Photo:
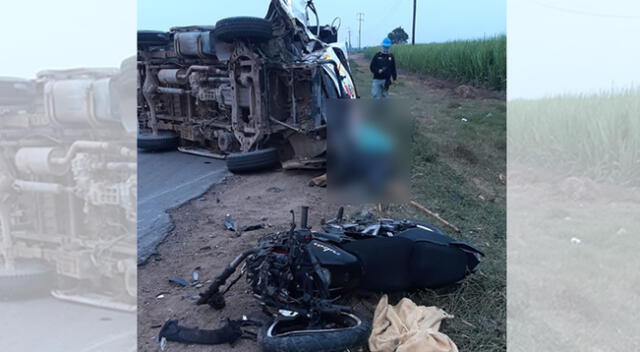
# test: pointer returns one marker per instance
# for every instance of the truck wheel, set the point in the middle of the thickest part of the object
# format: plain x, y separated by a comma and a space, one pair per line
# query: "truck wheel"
28, 279
252, 28
348, 332
165, 140
253, 161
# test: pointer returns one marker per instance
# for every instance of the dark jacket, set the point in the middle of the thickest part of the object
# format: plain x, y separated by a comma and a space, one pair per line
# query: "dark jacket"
387, 63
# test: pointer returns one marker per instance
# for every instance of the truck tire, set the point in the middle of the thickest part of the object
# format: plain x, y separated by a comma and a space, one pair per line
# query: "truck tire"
251, 28
329, 340
148, 39
165, 140
262, 159
29, 279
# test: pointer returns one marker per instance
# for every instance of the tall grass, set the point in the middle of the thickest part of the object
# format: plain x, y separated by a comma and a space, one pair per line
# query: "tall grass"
592, 135
481, 62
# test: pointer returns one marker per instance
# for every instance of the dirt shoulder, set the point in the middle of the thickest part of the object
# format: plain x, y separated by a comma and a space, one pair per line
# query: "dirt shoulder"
200, 239
458, 170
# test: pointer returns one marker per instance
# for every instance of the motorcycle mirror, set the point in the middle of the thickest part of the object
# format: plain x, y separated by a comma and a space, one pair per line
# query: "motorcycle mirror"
293, 219
304, 217
340, 215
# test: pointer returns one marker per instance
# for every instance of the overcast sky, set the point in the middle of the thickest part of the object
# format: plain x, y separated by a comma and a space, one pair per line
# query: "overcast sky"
436, 20
40, 35
555, 46
572, 46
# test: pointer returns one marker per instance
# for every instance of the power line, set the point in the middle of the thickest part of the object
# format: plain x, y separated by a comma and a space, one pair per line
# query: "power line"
360, 19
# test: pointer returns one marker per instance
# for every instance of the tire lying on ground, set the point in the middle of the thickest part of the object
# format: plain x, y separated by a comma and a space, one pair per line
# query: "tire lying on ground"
327, 340
28, 279
251, 28
262, 159
165, 140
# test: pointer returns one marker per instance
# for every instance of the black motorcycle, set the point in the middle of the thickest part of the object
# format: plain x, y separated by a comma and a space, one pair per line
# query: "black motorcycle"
299, 275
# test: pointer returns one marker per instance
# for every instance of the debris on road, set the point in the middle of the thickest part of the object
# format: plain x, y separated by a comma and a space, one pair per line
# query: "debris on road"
274, 189
229, 224
320, 181
195, 275
179, 281
253, 227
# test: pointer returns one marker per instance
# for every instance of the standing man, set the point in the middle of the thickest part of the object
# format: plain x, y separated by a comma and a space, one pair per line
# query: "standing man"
383, 67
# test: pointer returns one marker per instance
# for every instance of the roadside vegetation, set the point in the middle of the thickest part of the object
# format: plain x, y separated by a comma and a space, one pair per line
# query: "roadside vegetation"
457, 170
480, 62
574, 196
596, 136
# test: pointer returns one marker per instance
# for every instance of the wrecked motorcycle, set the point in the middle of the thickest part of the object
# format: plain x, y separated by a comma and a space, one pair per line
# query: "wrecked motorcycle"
299, 275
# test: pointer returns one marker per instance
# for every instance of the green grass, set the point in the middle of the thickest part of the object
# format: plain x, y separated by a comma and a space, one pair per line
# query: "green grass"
597, 136
454, 163
481, 62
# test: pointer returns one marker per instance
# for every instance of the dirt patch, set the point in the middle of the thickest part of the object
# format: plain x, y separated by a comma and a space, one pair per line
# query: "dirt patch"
466, 92
201, 240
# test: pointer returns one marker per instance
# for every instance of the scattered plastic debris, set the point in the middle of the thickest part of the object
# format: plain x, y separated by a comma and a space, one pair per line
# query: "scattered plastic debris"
575, 240
464, 119
161, 295
163, 343
274, 189
195, 275
229, 224
179, 281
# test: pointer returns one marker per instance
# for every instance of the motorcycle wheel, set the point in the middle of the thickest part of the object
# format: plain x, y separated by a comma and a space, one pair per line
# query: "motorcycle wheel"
351, 331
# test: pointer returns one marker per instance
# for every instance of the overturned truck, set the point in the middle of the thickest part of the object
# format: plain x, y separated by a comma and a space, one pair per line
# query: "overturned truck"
251, 90
68, 186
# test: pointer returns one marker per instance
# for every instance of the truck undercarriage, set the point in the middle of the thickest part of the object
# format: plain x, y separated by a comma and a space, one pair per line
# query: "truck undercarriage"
244, 85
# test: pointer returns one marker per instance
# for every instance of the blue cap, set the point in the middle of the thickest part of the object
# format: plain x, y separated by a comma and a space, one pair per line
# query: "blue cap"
386, 42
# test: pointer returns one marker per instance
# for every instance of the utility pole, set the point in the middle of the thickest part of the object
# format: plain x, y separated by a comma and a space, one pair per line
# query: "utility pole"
349, 42
360, 19
413, 31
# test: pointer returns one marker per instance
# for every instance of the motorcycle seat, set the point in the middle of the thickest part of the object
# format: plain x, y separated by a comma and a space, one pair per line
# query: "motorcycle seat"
413, 259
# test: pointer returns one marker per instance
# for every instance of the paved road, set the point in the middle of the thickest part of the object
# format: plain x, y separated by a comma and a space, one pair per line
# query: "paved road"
165, 181
51, 325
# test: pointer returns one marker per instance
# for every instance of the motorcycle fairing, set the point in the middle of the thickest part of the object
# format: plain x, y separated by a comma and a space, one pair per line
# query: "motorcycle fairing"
343, 267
